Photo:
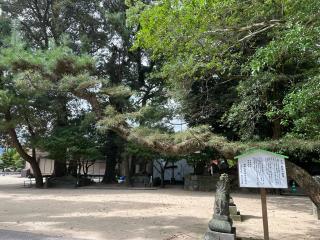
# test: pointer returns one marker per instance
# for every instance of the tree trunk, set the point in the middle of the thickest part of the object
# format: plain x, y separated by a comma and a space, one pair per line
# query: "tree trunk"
276, 129
162, 177
30, 159
72, 168
37, 173
110, 172
60, 168
127, 173
111, 159
305, 180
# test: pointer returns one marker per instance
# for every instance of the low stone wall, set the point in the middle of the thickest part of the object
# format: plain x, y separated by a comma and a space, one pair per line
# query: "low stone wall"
201, 183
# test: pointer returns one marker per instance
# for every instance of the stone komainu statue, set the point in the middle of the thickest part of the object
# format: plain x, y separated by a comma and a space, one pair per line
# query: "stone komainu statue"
222, 198
221, 221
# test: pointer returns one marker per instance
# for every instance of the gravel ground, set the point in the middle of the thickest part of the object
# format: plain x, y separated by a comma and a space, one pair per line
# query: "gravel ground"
167, 214
16, 235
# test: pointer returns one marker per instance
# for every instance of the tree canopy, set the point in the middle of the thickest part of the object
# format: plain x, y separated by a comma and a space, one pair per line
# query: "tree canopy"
241, 74
233, 57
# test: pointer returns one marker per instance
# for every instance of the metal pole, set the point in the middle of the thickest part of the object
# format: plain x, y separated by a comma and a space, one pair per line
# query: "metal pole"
264, 213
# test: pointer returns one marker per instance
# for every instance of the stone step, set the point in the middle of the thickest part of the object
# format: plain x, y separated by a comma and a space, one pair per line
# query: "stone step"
236, 218
234, 213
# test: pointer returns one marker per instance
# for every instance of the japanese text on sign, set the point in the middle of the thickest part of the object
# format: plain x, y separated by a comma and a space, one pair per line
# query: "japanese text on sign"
262, 171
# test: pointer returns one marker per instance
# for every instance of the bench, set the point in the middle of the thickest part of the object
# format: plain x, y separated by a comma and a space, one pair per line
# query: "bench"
31, 180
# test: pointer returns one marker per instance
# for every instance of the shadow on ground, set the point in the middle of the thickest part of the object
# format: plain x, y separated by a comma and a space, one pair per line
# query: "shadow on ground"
292, 203
247, 217
249, 238
121, 214
16, 235
98, 217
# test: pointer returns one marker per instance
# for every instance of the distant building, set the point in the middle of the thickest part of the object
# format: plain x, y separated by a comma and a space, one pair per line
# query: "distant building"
46, 165
177, 170
96, 168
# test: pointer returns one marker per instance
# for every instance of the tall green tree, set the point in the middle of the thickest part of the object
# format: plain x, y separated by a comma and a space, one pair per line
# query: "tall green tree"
48, 21
262, 49
267, 48
29, 93
11, 159
34, 81
83, 143
97, 28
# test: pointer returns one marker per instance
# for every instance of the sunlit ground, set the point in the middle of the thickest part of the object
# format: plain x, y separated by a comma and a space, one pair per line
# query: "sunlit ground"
140, 214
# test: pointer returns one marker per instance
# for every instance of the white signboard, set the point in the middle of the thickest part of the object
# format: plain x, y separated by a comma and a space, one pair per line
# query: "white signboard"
262, 169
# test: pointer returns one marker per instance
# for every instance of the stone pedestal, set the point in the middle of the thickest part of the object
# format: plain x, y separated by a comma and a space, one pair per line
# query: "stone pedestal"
234, 213
212, 235
316, 211
220, 224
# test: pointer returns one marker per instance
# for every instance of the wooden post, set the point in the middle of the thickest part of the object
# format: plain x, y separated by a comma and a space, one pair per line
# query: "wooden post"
264, 213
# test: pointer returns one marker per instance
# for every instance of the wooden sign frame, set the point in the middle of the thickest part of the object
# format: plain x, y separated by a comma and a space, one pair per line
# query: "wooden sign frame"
263, 192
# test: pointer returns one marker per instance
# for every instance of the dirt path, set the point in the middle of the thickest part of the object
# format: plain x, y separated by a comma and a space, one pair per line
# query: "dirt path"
169, 214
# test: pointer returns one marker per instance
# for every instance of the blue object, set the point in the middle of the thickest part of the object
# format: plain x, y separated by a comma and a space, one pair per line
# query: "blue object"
121, 179
293, 187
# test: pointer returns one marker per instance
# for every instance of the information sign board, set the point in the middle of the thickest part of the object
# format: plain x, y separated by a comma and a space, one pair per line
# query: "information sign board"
262, 169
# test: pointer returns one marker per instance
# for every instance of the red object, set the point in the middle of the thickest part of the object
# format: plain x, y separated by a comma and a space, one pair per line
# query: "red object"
216, 162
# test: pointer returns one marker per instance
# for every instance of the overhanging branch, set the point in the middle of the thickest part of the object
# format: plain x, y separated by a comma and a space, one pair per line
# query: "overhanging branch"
229, 150
257, 32
246, 28
166, 148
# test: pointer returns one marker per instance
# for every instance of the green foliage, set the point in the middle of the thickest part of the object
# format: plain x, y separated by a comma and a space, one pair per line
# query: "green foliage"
178, 38
44, 22
112, 118
140, 152
263, 49
5, 99
11, 159
80, 139
5, 29
302, 107
293, 46
239, 67
151, 116
35, 90
59, 62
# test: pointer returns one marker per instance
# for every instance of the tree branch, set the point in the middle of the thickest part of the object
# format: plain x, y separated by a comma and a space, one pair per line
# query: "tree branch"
257, 32
183, 148
93, 101
246, 28
226, 148
32, 35
15, 141
305, 181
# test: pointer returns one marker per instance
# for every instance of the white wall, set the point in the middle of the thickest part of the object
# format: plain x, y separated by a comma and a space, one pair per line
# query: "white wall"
46, 166
182, 169
98, 168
